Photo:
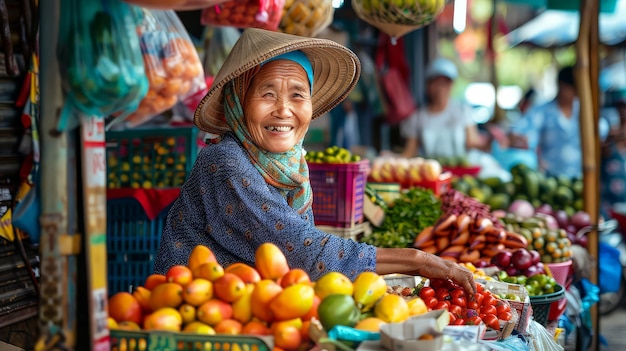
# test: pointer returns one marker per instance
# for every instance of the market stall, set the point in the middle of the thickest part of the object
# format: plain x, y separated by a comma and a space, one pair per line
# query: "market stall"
103, 186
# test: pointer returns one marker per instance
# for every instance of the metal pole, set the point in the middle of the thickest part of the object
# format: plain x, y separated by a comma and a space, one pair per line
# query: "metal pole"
57, 311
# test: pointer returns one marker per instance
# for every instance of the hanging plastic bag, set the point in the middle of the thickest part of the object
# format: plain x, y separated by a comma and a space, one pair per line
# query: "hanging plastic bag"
99, 58
171, 61
264, 14
306, 17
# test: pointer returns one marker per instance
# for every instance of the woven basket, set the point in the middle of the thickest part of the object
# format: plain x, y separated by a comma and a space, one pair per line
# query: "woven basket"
396, 20
306, 17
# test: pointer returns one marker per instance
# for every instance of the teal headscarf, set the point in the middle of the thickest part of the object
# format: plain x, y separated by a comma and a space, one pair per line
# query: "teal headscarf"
286, 171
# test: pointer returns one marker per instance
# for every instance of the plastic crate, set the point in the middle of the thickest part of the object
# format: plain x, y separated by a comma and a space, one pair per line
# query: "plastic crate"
150, 157
170, 341
355, 233
132, 243
439, 186
338, 192
543, 303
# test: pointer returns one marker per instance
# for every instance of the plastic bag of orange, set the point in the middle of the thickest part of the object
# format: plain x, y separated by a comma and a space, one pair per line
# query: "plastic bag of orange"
306, 17
264, 14
171, 62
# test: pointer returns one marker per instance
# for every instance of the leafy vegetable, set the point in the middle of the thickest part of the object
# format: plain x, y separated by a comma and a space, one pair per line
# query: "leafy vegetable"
413, 211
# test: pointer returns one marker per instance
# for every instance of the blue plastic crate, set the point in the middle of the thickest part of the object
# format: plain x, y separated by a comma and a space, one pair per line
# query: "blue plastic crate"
132, 243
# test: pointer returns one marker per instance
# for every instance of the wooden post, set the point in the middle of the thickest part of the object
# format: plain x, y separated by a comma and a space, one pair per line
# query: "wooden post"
586, 72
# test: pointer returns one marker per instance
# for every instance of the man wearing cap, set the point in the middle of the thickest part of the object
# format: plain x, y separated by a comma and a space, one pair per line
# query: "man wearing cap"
441, 128
251, 185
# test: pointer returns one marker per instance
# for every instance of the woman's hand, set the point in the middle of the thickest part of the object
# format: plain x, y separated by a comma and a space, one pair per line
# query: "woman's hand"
416, 262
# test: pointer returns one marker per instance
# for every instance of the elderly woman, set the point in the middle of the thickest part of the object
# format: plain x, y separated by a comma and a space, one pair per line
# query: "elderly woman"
250, 185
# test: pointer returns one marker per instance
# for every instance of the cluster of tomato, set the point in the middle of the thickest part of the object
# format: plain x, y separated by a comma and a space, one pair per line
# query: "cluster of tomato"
485, 307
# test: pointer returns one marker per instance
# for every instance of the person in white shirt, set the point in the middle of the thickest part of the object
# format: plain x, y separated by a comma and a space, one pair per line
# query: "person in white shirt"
443, 127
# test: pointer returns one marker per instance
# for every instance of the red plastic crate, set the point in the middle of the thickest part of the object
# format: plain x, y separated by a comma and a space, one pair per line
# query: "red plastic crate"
439, 186
338, 192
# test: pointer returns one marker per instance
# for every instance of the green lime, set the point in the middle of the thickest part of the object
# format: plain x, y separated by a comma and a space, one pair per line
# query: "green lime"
338, 309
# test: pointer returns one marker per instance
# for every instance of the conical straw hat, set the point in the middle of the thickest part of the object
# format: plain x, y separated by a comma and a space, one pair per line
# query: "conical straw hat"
336, 71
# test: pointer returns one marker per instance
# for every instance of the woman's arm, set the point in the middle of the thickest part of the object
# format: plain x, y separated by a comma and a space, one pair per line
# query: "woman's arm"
416, 262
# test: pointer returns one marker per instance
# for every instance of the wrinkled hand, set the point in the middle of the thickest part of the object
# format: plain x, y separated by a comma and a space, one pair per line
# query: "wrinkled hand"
436, 267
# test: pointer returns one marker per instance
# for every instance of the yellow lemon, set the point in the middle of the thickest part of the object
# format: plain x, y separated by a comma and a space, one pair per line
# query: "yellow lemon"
392, 309
369, 287
370, 324
417, 306
112, 323
333, 283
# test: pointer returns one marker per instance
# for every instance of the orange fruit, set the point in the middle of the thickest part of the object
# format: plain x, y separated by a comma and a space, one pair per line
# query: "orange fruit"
304, 330
295, 322
166, 295
255, 327
312, 313
264, 291
153, 280
270, 261
295, 276
128, 325
198, 291
166, 318
123, 306
209, 271
199, 328
228, 326
229, 287
287, 337
200, 254
179, 274
187, 312
392, 309
142, 295
242, 308
214, 311
248, 274
370, 324
294, 301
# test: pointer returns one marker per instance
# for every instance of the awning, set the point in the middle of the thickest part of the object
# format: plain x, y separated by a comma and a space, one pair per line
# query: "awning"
556, 28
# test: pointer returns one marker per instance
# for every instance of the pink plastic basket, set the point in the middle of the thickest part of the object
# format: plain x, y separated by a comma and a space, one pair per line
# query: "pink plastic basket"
561, 272
338, 192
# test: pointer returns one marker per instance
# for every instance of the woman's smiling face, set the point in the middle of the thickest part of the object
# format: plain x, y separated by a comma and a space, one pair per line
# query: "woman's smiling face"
277, 106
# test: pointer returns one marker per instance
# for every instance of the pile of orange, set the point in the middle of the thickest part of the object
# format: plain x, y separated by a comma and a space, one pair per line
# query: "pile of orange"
204, 297
268, 299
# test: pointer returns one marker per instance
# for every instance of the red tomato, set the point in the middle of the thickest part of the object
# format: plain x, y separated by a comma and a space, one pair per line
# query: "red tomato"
472, 304
479, 297
459, 301
426, 292
474, 320
431, 302
459, 321
456, 309
491, 320
441, 305
443, 295
457, 293
505, 315
479, 288
488, 309
489, 299
452, 318
502, 306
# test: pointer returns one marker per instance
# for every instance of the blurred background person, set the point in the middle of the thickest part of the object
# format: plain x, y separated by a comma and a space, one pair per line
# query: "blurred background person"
613, 164
442, 127
552, 130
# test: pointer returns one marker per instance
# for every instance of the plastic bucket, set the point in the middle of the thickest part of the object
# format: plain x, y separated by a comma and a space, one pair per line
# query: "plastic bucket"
542, 304
561, 272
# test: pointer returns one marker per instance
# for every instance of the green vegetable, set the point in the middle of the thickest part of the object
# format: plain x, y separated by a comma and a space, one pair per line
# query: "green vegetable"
413, 211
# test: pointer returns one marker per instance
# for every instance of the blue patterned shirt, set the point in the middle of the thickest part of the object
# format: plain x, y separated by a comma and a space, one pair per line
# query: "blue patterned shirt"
226, 205
557, 138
